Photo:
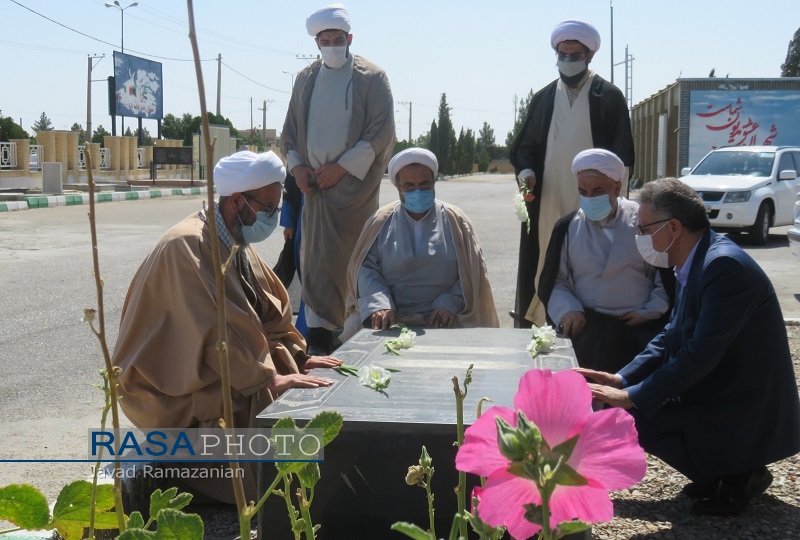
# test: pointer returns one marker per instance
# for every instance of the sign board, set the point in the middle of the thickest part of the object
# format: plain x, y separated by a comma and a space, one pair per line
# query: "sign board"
138, 87
180, 155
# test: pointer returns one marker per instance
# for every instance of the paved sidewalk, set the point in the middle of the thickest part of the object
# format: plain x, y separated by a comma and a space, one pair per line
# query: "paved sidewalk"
49, 201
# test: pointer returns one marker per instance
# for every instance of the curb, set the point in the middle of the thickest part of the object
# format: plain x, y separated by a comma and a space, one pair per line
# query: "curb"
50, 201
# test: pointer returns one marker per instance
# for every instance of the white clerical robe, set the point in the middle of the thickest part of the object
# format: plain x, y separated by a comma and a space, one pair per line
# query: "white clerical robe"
605, 272
412, 266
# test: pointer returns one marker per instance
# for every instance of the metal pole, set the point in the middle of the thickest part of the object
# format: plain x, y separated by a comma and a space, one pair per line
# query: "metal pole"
410, 108
89, 100
251, 120
264, 125
626, 73
122, 47
219, 80
611, 4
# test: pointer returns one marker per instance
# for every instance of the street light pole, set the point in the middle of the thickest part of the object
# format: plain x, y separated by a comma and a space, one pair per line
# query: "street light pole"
121, 9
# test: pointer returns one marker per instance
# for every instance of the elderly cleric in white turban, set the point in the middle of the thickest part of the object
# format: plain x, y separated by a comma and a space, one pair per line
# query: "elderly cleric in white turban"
580, 31
411, 156
246, 171
333, 17
600, 160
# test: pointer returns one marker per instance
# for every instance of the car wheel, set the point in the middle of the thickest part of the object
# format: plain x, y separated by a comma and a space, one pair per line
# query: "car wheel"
759, 232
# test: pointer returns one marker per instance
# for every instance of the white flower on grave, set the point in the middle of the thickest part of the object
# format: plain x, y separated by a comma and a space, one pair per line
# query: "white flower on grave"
374, 377
543, 341
406, 339
520, 210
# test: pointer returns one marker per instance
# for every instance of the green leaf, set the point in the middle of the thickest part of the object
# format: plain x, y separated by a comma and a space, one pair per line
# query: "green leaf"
136, 521
138, 534
309, 475
567, 447
534, 513
24, 506
567, 476
391, 370
330, 422
284, 423
161, 500
570, 527
73, 509
411, 530
175, 525
399, 325
468, 378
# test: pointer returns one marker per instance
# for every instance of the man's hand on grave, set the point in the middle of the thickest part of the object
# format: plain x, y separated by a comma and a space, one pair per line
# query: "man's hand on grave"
320, 362
383, 319
281, 383
441, 318
611, 396
601, 377
573, 323
328, 175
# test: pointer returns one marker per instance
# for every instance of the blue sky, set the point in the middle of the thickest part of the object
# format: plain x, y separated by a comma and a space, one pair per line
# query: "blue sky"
481, 54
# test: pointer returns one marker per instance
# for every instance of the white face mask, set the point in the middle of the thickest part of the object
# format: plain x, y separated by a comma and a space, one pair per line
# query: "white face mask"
334, 57
570, 69
644, 243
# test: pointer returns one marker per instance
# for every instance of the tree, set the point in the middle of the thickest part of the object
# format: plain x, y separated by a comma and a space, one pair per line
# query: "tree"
42, 124
99, 134
173, 127
486, 137
399, 146
10, 130
465, 152
81, 133
484, 159
791, 67
433, 142
213, 119
521, 114
147, 139
446, 149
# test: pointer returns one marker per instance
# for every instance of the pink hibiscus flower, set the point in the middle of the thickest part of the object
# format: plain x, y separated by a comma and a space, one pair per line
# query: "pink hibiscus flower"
607, 454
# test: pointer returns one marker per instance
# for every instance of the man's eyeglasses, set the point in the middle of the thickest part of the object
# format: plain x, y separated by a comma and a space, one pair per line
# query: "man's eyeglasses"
572, 57
269, 209
643, 227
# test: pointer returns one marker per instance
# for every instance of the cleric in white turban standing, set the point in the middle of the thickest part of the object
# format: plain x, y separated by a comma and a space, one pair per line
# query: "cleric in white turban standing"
418, 261
337, 138
168, 330
579, 110
595, 284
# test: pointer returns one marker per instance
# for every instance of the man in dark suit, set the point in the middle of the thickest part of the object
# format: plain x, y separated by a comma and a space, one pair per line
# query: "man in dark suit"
714, 395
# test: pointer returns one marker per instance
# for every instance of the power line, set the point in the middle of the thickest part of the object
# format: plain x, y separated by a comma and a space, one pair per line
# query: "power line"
106, 42
252, 81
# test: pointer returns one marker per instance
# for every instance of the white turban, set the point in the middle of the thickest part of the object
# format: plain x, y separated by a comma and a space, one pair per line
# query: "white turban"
246, 171
333, 17
580, 31
411, 156
599, 160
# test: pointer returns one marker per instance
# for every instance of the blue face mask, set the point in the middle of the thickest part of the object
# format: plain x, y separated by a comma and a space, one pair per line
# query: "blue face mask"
419, 201
261, 229
596, 208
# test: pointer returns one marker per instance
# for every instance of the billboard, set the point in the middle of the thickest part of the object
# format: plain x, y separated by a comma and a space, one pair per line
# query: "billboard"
741, 118
138, 88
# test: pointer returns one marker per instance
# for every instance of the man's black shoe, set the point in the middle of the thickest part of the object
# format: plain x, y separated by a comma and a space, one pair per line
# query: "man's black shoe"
320, 342
704, 490
734, 494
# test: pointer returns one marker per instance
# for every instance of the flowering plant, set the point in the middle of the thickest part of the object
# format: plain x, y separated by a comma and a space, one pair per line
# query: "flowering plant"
520, 210
404, 341
551, 462
374, 377
543, 341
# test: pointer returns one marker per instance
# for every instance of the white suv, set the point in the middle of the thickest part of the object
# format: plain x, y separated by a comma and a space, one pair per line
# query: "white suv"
748, 188
794, 234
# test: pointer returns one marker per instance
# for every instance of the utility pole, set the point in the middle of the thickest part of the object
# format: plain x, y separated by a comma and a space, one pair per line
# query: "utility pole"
89, 58
515, 109
219, 80
408, 105
628, 76
251, 120
611, 4
264, 121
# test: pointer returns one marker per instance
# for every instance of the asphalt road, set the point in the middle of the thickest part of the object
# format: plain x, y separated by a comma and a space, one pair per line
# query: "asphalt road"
49, 359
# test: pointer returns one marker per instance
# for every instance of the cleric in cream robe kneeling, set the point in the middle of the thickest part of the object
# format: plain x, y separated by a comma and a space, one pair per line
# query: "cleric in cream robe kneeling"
418, 261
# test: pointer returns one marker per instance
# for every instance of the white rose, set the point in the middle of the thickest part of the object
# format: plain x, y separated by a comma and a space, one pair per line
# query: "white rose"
374, 376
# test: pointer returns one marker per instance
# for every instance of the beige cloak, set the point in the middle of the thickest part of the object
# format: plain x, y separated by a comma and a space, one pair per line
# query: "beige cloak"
168, 334
479, 309
333, 218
